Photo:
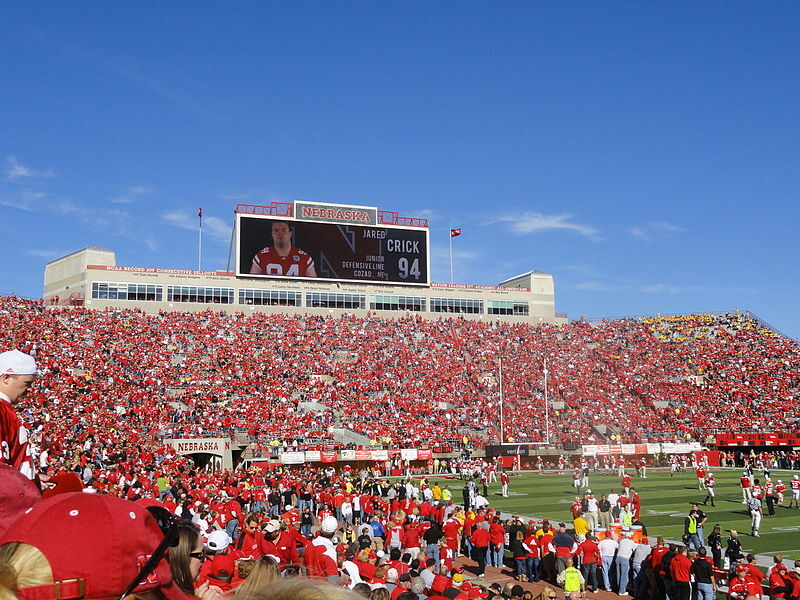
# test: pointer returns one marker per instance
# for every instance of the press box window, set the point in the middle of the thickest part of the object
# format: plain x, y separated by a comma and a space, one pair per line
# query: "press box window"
331, 300
412, 303
200, 294
269, 297
456, 305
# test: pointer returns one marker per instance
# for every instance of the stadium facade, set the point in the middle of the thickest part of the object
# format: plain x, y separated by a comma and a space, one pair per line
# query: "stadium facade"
367, 261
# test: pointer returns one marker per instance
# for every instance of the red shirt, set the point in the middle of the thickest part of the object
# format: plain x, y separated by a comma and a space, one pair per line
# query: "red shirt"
294, 264
588, 552
480, 538
680, 567
14, 449
497, 533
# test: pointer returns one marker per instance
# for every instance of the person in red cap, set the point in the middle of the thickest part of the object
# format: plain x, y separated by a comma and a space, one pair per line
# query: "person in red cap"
17, 494
93, 547
742, 586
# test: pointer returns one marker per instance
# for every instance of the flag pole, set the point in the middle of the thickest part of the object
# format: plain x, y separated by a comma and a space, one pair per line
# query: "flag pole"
200, 242
451, 254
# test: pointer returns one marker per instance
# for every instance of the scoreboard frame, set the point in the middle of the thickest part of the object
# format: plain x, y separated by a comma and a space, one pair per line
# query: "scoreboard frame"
401, 248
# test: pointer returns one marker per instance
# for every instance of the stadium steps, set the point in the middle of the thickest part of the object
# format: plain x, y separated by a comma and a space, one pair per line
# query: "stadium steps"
308, 407
344, 436
605, 431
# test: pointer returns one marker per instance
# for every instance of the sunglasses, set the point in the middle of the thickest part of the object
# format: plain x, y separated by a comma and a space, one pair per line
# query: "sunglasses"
167, 522
201, 556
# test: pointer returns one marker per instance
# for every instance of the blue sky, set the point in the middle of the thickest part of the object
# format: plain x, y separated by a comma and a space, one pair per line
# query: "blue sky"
644, 154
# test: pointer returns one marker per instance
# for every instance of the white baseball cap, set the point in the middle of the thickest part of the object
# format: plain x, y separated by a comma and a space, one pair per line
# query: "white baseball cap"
218, 540
329, 524
15, 362
272, 526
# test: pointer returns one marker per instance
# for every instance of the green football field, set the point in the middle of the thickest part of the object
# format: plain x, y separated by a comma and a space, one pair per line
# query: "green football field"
665, 502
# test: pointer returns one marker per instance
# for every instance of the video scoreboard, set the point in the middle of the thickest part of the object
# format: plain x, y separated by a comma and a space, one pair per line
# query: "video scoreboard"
331, 242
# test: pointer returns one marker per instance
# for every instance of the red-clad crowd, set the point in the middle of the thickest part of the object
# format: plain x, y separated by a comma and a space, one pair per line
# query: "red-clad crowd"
406, 382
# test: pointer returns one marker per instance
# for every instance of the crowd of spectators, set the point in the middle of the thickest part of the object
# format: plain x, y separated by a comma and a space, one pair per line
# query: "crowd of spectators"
406, 382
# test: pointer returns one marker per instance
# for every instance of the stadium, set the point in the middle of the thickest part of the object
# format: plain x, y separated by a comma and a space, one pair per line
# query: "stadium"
265, 371
380, 362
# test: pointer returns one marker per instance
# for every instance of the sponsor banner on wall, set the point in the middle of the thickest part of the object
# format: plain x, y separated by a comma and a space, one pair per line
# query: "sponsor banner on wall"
589, 450
312, 456
424, 454
363, 455
629, 448
329, 456
380, 455
653, 448
293, 458
408, 454
615, 449
348, 455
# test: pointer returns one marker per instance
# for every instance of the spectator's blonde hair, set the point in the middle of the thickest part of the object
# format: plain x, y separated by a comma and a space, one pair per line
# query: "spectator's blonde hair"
263, 572
302, 589
22, 565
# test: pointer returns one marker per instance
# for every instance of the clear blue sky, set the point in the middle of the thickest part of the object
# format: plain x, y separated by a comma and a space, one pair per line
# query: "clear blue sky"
645, 154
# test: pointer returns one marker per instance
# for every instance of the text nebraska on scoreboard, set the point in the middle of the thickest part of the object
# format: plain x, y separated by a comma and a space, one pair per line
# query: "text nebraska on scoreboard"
340, 252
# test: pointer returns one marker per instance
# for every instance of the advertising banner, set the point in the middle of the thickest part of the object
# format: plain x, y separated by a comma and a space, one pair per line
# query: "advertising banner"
329, 456
380, 455
364, 455
424, 454
312, 456
348, 455
408, 454
293, 458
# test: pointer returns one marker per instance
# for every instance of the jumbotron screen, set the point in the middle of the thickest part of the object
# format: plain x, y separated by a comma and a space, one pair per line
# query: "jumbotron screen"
287, 248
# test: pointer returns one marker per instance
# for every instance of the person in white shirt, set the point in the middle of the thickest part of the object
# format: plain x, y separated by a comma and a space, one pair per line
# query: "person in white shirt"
623, 561
613, 499
608, 548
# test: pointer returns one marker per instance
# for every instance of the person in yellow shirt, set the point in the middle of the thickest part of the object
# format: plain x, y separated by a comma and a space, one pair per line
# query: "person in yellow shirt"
581, 525
437, 491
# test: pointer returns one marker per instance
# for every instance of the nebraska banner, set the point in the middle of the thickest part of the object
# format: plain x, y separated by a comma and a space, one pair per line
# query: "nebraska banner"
329, 456
380, 455
363, 455
312, 456
424, 454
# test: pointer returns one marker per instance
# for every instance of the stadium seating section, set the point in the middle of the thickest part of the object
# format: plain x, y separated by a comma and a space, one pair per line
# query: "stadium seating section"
127, 378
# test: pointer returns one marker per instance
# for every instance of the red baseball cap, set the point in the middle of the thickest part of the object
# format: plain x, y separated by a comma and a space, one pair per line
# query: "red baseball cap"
96, 546
63, 483
17, 494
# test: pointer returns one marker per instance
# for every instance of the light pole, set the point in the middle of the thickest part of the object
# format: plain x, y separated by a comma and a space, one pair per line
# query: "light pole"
502, 436
546, 407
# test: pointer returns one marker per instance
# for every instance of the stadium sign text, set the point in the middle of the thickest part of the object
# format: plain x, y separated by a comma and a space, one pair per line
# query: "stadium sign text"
207, 445
332, 213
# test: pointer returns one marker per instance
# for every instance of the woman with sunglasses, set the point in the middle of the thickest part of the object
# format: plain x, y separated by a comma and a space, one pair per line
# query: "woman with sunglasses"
186, 558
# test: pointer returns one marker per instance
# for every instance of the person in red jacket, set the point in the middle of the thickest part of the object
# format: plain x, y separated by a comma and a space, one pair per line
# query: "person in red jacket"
741, 586
779, 583
279, 544
248, 544
680, 567
497, 540
480, 545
